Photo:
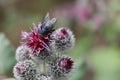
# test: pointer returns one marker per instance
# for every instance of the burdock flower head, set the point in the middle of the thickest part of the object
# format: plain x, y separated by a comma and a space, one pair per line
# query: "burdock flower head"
38, 39
61, 66
25, 70
62, 39
35, 41
22, 53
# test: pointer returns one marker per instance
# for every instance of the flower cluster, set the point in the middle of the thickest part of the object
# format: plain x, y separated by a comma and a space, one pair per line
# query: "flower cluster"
41, 47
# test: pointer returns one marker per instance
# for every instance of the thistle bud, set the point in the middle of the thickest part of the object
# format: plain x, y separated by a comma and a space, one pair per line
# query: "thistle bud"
61, 66
25, 70
22, 53
62, 39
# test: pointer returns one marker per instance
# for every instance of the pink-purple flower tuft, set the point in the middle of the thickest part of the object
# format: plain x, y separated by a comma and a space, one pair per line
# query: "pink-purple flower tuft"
35, 41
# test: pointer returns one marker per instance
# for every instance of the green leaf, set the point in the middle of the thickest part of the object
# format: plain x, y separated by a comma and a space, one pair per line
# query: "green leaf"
7, 52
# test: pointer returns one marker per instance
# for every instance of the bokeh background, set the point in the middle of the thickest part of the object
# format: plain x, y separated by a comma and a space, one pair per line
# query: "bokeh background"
95, 23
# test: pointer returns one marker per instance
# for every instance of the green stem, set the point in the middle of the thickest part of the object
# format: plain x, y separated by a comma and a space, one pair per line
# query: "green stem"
44, 67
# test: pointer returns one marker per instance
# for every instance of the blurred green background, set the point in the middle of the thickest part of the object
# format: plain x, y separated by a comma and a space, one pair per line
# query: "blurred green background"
95, 23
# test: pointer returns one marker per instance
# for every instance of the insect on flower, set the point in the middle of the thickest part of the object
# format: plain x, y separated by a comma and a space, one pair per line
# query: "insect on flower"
47, 25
